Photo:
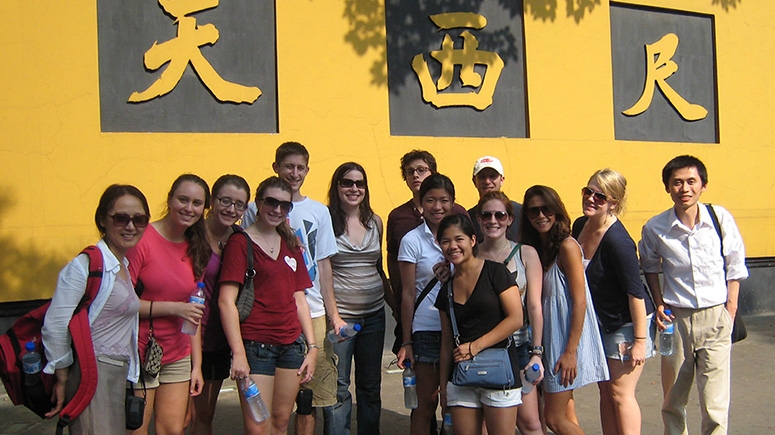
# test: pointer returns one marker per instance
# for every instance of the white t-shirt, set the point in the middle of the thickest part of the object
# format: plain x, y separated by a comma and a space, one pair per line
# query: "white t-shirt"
419, 247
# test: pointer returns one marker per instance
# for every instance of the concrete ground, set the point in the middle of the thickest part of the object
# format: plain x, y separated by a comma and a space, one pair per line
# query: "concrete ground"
751, 412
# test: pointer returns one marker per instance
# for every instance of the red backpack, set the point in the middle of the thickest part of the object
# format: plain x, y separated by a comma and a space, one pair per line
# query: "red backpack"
27, 328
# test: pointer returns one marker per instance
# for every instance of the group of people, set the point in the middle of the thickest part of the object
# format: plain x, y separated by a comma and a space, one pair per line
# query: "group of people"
565, 297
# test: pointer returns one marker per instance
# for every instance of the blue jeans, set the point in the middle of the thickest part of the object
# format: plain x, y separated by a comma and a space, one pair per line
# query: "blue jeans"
366, 348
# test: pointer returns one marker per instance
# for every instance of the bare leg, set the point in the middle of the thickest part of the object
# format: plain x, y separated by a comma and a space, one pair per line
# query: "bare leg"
204, 408
556, 409
427, 384
500, 421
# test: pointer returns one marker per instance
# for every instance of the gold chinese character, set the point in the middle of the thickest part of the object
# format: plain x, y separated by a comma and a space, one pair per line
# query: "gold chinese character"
466, 57
660, 66
184, 48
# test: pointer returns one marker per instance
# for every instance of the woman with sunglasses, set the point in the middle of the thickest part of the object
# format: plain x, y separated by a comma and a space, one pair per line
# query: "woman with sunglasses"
487, 311
228, 202
495, 216
121, 218
269, 346
573, 352
359, 289
167, 264
418, 254
622, 304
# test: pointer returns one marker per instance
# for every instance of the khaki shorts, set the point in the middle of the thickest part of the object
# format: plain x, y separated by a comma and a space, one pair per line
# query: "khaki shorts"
172, 373
323, 385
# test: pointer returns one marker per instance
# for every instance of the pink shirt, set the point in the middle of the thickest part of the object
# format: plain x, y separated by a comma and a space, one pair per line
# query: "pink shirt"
168, 275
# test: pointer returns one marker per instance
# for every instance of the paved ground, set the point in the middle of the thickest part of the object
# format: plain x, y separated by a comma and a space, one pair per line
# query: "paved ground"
753, 398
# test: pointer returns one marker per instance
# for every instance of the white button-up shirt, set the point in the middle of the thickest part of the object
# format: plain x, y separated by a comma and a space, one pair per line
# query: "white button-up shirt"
71, 287
690, 258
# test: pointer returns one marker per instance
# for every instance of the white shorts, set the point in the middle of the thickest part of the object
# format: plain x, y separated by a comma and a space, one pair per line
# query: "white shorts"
475, 397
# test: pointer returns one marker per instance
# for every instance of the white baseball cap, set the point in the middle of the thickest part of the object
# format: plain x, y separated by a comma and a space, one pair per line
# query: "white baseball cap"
488, 162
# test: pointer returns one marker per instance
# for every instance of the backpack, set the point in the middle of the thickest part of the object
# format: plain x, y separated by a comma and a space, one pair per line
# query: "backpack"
28, 328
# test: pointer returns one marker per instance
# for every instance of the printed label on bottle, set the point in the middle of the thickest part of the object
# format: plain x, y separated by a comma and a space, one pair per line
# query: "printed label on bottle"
410, 382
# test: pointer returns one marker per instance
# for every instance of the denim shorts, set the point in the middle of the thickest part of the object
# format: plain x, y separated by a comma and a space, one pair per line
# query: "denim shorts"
617, 344
426, 346
265, 358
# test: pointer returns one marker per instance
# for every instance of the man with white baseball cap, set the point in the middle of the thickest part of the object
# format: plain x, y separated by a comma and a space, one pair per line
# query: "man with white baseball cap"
488, 177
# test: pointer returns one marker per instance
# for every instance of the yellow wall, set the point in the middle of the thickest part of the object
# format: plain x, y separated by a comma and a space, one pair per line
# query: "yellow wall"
333, 98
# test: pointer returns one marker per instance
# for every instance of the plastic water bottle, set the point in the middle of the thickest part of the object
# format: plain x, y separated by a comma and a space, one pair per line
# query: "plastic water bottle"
448, 424
32, 363
666, 336
345, 332
258, 410
528, 376
410, 386
197, 297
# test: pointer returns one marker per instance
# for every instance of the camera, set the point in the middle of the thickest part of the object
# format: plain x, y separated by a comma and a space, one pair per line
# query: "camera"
135, 410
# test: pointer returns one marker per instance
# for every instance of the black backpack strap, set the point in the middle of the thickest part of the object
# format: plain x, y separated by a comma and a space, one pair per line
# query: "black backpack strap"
425, 291
717, 225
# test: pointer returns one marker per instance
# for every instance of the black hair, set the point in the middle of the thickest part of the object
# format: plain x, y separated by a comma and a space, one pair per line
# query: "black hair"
109, 198
680, 162
437, 181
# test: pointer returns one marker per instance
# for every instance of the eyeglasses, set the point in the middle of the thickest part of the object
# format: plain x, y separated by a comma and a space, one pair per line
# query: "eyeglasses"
499, 215
534, 212
273, 203
120, 220
420, 171
348, 183
227, 202
599, 196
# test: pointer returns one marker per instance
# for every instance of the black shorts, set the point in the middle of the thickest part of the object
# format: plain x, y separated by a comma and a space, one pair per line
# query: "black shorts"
216, 364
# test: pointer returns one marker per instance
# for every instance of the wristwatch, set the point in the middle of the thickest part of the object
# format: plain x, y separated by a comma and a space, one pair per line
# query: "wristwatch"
537, 350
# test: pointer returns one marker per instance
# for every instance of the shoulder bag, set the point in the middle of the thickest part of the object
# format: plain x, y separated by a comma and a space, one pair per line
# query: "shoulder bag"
153, 351
491, 368
246, 295
739, 332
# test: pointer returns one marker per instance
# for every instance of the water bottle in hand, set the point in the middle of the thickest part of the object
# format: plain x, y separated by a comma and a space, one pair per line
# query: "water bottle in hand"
666, 336
345, 332
197, 297
258, 410
410, 386
528, 376
447, 424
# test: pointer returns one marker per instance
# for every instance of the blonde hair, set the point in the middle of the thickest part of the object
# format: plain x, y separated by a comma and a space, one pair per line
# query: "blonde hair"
614, 185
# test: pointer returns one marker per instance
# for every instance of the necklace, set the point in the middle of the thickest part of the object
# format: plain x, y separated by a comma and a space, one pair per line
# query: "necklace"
222, 241
271, 247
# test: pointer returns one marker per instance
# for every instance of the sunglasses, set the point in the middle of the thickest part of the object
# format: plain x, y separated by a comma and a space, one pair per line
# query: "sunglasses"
227, 202
499, 215
273, 203
120, 220
599, 196
348, 183
534, 212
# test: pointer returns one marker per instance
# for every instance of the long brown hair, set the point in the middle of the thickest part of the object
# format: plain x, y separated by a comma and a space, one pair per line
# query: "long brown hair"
199, 250
560, 230
283, 229
338, 217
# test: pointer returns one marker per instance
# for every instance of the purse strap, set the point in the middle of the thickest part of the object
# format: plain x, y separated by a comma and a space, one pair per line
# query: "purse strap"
150, 320
455, 331
250, 272
717, 226
424, 293
514, 250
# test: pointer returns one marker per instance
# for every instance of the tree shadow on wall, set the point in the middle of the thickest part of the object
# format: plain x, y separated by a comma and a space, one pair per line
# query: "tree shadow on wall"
367, 20
25, 271
367, 23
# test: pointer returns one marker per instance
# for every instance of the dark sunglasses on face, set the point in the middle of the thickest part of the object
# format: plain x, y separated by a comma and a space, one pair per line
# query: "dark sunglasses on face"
120, 220
348, 183
533, 212
599, 196
227, 202
499, 215
273, 203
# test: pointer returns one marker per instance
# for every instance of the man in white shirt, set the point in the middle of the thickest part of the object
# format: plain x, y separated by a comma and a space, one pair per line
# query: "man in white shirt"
700, 288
